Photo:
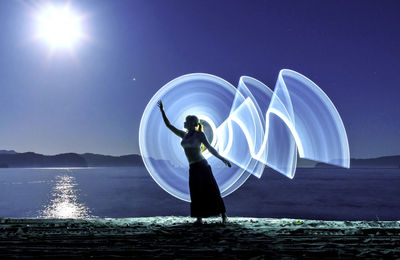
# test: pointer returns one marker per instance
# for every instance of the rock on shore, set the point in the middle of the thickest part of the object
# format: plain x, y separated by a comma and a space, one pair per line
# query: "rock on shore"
177, 237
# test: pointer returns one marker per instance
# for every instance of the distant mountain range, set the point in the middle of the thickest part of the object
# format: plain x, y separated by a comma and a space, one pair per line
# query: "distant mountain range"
7, 152
12, 159
380, 162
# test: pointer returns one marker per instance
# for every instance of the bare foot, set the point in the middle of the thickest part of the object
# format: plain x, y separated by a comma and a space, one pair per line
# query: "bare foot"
224, 218
198, 222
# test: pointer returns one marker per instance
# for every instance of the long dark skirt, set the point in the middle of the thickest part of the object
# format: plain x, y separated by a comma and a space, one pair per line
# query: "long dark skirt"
205, 196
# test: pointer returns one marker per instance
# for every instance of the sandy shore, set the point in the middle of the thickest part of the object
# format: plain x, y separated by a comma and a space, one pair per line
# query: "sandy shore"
177, 237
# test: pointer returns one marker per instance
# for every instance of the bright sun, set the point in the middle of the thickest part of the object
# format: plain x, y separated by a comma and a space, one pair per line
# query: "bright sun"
60, 27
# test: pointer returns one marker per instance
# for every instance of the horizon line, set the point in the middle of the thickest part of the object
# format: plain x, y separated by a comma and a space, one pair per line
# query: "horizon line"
11, 150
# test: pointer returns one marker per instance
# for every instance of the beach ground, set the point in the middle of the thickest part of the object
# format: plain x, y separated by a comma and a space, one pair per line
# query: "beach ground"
177, 237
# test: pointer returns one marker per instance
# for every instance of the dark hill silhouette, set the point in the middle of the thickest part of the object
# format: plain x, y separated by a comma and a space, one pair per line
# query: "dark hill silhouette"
31, 159
7, 152
10, 158
108, 160
380, 162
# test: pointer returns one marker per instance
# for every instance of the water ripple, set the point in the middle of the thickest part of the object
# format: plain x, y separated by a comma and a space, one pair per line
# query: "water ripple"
65, 202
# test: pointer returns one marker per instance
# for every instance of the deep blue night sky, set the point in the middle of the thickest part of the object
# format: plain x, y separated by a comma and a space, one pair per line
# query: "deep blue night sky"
86, 101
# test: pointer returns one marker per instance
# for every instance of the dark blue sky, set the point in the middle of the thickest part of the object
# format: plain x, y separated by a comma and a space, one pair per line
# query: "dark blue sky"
88, 102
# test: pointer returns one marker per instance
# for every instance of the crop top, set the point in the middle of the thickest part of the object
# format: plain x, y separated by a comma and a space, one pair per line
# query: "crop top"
191, 141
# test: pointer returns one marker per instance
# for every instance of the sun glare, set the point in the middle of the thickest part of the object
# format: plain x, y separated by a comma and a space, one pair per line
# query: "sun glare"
60, 27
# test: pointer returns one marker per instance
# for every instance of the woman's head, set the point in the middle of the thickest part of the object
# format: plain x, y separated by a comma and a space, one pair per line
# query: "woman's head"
191, 122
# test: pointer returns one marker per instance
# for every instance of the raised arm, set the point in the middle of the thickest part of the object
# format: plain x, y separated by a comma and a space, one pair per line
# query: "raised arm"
176, 131
214, 152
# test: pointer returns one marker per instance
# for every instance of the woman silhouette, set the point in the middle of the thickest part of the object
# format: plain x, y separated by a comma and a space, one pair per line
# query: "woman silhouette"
205, 196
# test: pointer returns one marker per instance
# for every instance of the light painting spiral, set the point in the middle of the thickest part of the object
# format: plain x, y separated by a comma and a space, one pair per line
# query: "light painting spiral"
251, 125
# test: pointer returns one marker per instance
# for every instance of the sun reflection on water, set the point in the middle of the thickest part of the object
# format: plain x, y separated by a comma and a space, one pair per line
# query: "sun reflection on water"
64, 202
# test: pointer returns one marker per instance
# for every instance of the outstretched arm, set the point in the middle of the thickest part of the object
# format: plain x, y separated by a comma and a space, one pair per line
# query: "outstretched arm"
176, 131
214, 152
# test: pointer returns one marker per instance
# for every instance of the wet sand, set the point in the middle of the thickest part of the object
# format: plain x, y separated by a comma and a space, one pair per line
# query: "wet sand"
178, 238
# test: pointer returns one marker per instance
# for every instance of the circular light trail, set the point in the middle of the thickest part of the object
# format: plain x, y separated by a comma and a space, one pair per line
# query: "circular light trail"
251, 125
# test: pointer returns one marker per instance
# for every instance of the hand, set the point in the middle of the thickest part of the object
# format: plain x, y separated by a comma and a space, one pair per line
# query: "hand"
227, 163
160, 105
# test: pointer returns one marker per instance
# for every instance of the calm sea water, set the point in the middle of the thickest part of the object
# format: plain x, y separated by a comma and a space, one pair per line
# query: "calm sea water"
330, 194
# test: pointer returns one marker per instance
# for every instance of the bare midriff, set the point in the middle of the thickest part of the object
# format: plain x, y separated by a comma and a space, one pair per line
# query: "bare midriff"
193, 155
192, 146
